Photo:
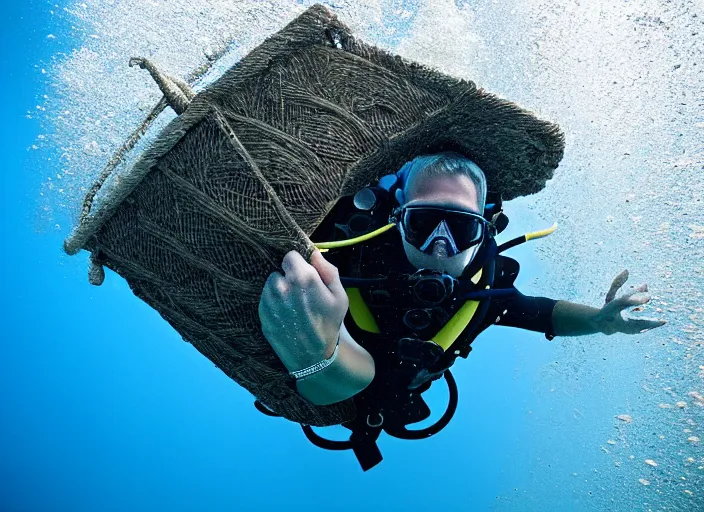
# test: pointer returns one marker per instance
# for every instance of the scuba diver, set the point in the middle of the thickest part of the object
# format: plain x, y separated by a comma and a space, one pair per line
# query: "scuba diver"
387, 311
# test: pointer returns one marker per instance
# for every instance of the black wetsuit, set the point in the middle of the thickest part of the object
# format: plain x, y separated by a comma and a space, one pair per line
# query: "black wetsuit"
406, 362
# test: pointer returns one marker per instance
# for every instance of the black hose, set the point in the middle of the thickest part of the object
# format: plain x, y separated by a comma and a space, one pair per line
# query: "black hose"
404, 433
321, 442
265, 410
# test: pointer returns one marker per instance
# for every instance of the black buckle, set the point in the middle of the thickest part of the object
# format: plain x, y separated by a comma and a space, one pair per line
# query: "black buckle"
367, 428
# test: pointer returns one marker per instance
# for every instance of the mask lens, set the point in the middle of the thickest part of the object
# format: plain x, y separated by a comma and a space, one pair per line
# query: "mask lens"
421, 223
466, 230
418, 224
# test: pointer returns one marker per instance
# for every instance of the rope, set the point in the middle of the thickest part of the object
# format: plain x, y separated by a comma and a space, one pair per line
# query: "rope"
118, 156
129, 144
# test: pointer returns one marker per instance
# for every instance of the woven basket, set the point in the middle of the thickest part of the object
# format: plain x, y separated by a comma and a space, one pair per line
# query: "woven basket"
253, 164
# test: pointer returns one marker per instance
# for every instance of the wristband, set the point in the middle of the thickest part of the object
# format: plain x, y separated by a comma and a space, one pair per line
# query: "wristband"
317, 367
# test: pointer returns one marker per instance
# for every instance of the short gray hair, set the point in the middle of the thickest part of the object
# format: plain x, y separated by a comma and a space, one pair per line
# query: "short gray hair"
447, 163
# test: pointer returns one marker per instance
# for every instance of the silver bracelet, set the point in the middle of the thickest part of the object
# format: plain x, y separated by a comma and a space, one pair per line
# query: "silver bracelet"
307, 372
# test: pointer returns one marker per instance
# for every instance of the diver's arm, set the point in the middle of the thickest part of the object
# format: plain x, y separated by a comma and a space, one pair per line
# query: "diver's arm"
350, 373
524, 312
570, 319
564, 318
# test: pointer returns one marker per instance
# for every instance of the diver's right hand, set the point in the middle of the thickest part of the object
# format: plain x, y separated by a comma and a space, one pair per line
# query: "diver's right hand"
302, 309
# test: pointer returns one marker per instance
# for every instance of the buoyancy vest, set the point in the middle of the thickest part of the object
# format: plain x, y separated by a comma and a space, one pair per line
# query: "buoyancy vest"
398, 314
414, 323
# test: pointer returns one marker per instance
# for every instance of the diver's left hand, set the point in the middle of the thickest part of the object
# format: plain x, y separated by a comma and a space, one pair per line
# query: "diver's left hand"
610, 319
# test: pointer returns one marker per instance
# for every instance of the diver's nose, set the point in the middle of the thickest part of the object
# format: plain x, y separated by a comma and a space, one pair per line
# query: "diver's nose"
440, 249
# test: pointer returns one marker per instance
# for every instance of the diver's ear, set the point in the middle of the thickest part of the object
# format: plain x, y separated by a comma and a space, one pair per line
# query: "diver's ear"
400, 196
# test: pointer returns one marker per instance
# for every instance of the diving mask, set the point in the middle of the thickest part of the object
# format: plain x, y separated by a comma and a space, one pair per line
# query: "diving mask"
423, 226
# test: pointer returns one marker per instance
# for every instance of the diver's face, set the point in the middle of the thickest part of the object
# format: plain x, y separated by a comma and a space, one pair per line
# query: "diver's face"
448, 191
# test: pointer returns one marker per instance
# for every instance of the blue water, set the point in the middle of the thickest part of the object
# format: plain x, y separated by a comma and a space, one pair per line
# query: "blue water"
105, 408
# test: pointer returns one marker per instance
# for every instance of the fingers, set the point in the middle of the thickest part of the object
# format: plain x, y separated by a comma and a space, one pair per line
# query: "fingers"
617, 283
297, 270
320, 278
328, 272
277, 283
641, 325
275, 287
613, 307
635, 298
